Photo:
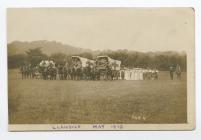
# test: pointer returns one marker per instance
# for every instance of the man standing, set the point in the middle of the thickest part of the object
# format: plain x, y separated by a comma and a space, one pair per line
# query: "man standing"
171, 72
122, 75
178, 72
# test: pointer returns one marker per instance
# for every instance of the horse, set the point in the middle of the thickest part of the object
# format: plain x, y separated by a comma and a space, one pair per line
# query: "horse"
60, 72
34, 72
115, 74
69, 73
78, 73
23, 71
29, 71
52, 73
45, 73
87, 73
65, 72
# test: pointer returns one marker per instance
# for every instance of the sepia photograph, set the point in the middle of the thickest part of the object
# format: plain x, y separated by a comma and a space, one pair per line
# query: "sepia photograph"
101, 68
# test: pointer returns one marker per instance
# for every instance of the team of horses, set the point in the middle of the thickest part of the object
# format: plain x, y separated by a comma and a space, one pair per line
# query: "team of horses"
67, 72
63, 72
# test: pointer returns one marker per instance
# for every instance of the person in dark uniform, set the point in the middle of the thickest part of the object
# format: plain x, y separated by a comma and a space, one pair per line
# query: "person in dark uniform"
122, 75
60, 72
171, 72
178, 71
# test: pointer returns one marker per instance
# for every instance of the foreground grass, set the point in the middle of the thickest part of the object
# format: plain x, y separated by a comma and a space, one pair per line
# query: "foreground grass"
34, 101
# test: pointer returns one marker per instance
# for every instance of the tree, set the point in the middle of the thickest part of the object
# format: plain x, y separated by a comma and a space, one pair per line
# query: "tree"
15, 61
35, 55
59, 58
86, 55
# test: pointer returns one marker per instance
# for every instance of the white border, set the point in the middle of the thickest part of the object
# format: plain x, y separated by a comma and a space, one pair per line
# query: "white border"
5, 135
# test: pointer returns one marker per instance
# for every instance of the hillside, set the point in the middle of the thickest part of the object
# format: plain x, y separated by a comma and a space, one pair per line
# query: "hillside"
48, 47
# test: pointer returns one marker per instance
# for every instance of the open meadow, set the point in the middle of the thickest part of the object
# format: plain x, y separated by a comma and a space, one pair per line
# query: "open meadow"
33, 101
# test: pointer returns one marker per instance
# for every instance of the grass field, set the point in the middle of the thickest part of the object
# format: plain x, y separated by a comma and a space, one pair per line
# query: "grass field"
33, 101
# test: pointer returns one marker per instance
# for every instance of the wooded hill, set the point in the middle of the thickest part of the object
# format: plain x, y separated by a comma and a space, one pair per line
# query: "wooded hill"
21, 52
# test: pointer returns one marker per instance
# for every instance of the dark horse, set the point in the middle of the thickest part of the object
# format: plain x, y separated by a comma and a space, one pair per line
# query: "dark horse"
78, 74
52, 72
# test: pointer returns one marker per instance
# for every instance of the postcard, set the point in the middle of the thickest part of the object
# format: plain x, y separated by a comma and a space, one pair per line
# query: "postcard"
101, 68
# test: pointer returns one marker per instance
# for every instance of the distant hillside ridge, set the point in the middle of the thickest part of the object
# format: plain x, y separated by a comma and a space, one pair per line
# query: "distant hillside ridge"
162, 60
47, 47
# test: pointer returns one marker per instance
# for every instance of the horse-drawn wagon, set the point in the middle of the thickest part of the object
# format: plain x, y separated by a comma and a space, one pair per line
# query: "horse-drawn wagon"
108, 67
81, 62
48, 69
82, 67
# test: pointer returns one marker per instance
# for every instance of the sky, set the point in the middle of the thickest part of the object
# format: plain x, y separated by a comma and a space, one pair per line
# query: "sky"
139, 29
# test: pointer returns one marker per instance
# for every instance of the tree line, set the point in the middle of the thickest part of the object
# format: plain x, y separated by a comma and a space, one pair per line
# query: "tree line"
129, 59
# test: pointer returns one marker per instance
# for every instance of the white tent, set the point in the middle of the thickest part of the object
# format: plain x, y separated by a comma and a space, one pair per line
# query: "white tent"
46, 63
133, 74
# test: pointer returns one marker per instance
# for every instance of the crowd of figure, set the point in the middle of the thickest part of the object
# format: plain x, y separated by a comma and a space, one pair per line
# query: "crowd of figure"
175, 70
54, 71
139, 74
150, 74
48, 70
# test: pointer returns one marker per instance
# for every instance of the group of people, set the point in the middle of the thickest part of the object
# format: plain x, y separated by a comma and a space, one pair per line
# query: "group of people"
48, 70
175, 70
139, 74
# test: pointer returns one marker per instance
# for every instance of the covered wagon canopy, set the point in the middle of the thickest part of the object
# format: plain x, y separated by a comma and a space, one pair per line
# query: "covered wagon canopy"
81, 62
103, 61
47, 63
